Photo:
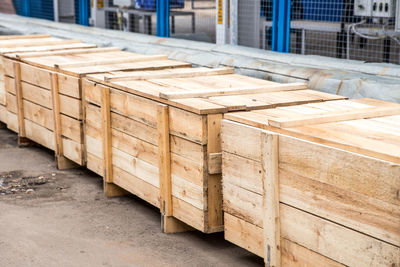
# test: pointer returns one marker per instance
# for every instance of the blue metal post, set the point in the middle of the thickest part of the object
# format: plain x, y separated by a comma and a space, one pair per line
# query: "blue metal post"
83, 16
281, 26
26, 8
163, 18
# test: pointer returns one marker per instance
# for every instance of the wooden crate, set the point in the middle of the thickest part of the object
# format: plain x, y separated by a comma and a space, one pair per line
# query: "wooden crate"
45, 95
156, 134
315, 184
29, 43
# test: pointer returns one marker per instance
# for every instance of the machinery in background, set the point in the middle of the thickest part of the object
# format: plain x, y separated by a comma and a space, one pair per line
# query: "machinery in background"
375, 8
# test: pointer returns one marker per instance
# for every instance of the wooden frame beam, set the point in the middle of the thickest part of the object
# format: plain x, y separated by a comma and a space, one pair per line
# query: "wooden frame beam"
169, 224
62, 162
22, 140
356, 114
175, 73
68, 52
234, 91
110, 61
43, 43
34, 36
270, 176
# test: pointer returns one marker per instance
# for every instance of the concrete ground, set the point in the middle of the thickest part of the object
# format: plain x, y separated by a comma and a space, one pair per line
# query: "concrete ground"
67, 221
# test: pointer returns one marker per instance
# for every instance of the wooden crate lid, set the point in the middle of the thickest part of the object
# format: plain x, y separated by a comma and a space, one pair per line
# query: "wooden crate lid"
367, 126
81, 62
204, 91
62, 45
36, 41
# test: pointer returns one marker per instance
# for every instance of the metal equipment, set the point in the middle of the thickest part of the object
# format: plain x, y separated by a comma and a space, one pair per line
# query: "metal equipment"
375, 8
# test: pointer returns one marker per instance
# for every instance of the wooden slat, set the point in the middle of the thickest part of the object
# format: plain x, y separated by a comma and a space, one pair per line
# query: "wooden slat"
106, 134
214, 186
214, 163
33, 36
234, 91
42, 43
66, 52
250, 236
336, 116
20, 104
56, 114
177, 73
109, 61
164, 160
16, 51
271, 221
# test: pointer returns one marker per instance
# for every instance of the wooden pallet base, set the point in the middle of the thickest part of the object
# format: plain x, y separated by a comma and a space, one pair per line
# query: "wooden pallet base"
113, 190
171, 225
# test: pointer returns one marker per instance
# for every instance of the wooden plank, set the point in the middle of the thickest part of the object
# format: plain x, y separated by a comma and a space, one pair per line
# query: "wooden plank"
244, 234
16, 51
110, 61
184, 124
365, 214
106, 134
56, 115
271, 221
175, 73
214, 163
33, 36
41, 96
38, 43
214, 186
164, 160
332, 240
20, 104
168, 223
242, 172
71, 128
239, 139
234, 91
298, 256
45, 137
133, 165
62, 161
187, 214
68, 85
336, 116
250, 236
3, 114
66, 52
344, 169
188, 168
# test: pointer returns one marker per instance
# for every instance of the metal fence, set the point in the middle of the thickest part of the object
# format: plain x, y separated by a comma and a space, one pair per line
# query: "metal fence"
367, 30
352, 29
188, 19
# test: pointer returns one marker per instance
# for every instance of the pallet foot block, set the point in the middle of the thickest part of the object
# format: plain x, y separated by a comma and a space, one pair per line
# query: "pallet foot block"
157, 133
24, 142
113, 190
64, 164
29, 43
171, 225
314, 184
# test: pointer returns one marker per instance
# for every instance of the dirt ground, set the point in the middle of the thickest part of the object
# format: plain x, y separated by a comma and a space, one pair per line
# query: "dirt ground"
61, 218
